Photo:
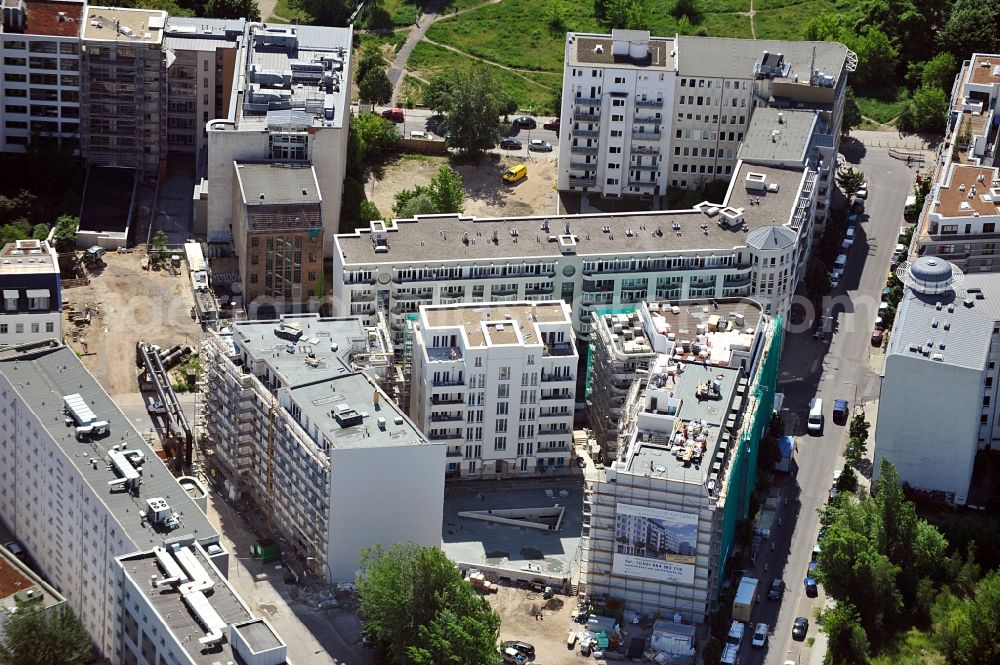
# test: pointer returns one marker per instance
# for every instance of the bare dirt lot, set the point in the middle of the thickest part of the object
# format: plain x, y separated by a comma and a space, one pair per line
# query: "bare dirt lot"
131, 304
487, 195
519, 610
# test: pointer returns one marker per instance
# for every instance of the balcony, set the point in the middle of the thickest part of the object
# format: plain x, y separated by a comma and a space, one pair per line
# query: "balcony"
454, 452
446, 417
551, 378
538, 291
587, 101
582, 182
584, 166
413, 296
585, 133
448, 382
640, 183
645, 150
583, 150
644, 167
648, 120
437, 400
736, 280
445, 437
444, 354
648, 103
555, 414
362, 297
555, 431
558, 349
587, 117
560, 396
646, 136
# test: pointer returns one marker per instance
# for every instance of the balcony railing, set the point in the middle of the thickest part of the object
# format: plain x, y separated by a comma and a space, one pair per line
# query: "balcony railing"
436, 400
646, 150
646, 136
446, 383
649, 120
644, 167
585, 133
587, 101
586, 166
648, 103
583, 150
582, 182
445, 437
586, 117
638, 183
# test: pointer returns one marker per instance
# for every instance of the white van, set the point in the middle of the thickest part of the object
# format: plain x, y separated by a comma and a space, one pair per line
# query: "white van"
815, 422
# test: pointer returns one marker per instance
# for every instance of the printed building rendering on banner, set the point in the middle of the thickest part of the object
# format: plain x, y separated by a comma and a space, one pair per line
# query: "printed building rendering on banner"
655, 544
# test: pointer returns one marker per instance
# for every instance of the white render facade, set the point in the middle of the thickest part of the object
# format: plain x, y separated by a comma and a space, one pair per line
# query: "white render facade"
643, 114
938, 405
592, 261
299, 431
497, 384
32, 292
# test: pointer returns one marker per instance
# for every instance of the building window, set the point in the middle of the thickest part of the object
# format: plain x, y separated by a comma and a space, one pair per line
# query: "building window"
255, 242
3, 328
254, 258
253, 279
49, 327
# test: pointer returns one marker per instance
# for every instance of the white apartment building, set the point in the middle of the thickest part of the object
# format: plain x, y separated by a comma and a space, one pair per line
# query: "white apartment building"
289, 102
497, 384
299, 427
625, 344
32, 292
40, 91
938, 406
81, 488
659, 520
753, 244
644, 113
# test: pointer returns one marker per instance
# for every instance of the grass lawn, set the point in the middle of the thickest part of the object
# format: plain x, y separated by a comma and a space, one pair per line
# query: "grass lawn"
914, 648
288, 10
394, 39
411, 91
428, 60
886, 108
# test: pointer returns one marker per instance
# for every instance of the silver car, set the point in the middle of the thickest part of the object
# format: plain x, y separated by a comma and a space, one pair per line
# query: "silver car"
538, 145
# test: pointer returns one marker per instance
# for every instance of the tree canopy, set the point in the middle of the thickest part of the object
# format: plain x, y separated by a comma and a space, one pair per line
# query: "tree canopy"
44, 637
474, 100
444, 195
419, 611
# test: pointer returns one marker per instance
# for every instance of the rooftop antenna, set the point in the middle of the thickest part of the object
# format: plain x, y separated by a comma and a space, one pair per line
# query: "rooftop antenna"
812, 64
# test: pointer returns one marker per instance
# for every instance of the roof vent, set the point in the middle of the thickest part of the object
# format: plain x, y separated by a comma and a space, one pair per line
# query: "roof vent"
937, 305
938, 357
968, 302
946, 325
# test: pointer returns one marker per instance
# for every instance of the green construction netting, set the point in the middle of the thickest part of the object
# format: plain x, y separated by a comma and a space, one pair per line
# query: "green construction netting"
743, 477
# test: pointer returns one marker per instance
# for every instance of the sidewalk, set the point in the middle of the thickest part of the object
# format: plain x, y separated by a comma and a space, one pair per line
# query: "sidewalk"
879, 139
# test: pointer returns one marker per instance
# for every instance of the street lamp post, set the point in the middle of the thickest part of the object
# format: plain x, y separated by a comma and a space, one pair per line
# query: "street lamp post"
329, 571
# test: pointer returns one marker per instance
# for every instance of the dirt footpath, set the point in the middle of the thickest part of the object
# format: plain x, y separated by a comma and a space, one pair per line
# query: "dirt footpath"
131, 304
486, 194
519, 611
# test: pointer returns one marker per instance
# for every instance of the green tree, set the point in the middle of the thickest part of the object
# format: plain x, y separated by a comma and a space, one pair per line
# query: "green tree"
685, 8
374, 136
420, 611
40, 231
65, 235
555, 15
375, 87
370, 58
971, 27
368, 212
824, 28
847, 641
474, 106
327, 12
928, 110
878, 56
44, 637
159, 242
437, 93
630, 14
18, 206
859, 427
446, 187
850, 179
848, 480
852, 113
232, 9
412, 202
939, 72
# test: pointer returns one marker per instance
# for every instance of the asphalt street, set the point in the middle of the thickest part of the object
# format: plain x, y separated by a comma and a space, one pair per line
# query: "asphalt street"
837, 368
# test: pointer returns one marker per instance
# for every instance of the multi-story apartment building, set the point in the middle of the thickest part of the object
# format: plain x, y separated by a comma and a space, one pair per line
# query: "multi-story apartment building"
754, 244
496, 383
288, 103
32, 292
40, 93
81, 489
643, 113
659, 521
123, 100
278, 235
941, 361
201, 66
297, 429
625, 344
958, 221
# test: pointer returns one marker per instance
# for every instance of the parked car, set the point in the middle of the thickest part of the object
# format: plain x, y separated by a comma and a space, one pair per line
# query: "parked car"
736, 629
156, 408
525, 122
799, 628
849, 236
396, 115
510, 144
835, 277
552, 124
777, 588
840, 411
538, 145
513, 656
877, 336
525, 648
759, 635
862, 193
14, 548
812, 589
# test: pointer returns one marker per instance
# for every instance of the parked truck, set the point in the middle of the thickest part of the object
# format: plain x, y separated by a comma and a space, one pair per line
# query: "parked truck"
746, 595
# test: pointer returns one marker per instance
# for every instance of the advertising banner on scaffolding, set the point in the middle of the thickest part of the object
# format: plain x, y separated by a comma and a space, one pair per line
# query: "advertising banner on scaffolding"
655, 544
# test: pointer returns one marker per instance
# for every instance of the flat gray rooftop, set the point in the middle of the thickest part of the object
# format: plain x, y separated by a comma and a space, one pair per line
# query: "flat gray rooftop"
42, 377
177, 615
658, 460
439, 238
734, 58
259, 636
319, 401
481, 543
500, 318
596, 49
778, 135
202, 34
331, 341
277, 183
